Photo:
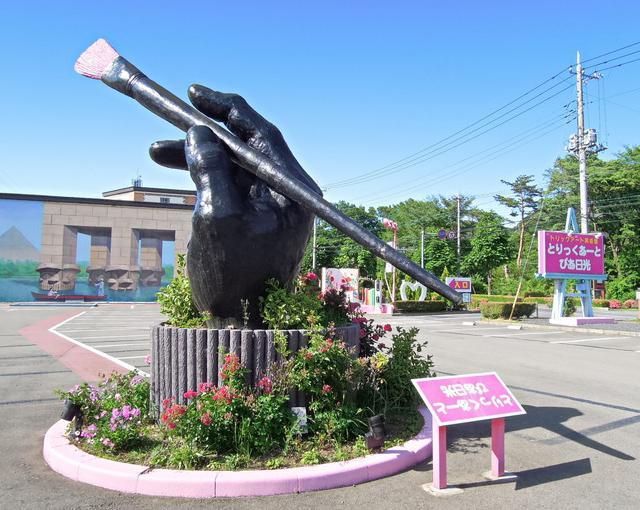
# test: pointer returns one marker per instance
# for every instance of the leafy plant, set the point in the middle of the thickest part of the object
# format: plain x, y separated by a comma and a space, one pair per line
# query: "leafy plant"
176, 301
405, 362
492, 310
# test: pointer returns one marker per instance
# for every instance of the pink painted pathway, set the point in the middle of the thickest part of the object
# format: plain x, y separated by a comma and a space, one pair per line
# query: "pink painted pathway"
85, 363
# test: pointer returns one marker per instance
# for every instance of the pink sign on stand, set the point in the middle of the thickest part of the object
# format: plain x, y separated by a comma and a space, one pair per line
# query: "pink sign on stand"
462, 399
562, 255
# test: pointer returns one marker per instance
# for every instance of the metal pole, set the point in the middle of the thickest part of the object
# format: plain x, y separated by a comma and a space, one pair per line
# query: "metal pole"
393, 277
458, 236
313, 256
422, 248
582, 152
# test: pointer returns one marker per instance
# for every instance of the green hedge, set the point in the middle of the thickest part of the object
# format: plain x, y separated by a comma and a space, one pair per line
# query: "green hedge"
539, 300
499, 310
419, 306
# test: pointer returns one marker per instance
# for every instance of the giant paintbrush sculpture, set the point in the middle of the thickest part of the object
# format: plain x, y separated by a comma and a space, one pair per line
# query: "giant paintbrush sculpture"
243, 232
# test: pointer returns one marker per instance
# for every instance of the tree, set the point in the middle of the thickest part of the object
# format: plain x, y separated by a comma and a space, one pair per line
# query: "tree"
523, 201
614, 187
490, 247
334, 249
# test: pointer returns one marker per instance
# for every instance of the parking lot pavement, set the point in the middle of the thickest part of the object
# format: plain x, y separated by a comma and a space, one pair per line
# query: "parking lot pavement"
469, 325
115, 331
577, 446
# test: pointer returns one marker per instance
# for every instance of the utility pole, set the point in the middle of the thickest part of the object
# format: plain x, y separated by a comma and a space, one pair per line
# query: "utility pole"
313, 256
582, 152
584, 142
458, 236
422, 248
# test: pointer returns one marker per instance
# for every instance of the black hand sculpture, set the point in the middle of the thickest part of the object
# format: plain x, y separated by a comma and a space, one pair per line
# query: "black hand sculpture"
243, 232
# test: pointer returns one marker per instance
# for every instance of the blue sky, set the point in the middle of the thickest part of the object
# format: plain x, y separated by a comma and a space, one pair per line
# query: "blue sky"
353, 88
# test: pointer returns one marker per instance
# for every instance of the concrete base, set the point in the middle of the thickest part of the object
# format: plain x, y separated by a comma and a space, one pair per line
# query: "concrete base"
507, 477
449, 491
581, 321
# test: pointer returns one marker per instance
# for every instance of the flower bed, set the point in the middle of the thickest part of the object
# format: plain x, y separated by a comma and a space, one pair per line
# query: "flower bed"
244, 418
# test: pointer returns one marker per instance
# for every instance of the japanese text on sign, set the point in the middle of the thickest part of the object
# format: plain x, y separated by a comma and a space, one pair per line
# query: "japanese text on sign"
570, 254
465, 398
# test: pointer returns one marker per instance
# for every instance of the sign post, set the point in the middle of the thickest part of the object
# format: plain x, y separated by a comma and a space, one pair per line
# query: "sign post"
566, 256
463, 399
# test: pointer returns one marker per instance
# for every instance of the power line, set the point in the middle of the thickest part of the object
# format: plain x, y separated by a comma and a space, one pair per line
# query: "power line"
434, 147
610, 52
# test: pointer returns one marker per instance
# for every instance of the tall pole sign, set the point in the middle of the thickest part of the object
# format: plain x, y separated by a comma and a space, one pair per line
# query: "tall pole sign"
569, 255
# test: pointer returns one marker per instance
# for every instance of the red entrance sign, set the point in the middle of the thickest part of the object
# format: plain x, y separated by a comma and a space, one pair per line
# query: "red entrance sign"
470, 397
459, 284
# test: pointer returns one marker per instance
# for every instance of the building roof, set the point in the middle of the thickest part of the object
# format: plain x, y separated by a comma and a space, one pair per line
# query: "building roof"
143, 189
96, 201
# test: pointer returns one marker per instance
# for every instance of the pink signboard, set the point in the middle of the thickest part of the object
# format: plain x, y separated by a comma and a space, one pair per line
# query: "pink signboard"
465, 398
563, 254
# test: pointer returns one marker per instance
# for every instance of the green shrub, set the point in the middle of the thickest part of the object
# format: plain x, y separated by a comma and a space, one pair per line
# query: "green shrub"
303, 307
420, 306
623, 287
492, 310
604, 303
538, 300
176, 301
570, 305
405, 362
535, 294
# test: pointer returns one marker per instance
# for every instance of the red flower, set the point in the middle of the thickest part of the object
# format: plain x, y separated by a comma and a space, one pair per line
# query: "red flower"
311, 276
326, 389
387, 327
190, 394
265, 385
376, 337
363, 333
308, 355
206, 419
171, 425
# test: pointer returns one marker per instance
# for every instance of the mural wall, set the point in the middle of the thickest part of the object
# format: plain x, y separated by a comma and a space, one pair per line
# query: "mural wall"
54, 251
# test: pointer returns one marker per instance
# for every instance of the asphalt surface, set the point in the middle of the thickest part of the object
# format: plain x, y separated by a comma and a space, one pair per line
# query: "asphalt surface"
576, 448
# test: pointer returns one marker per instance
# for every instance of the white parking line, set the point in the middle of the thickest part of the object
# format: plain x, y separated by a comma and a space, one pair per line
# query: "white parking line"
104, 346
525, 334
110, 336
467, 328
103, 329
586, 340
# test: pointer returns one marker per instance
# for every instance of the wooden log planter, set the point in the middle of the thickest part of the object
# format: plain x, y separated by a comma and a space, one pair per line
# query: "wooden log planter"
182, 358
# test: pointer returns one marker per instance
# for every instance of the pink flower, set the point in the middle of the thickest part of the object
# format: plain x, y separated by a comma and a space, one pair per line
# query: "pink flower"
387, 327
107, 442
190, 394
266, 385
311, 276
147, 359
326, 389
206, 419
228, 416
363, 333
205, 386
308, 355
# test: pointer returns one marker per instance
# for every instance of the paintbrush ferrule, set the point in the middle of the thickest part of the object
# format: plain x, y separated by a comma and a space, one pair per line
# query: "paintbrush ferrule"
122, 75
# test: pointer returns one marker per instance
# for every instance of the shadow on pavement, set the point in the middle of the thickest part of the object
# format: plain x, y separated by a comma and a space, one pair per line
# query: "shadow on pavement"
538, 476
465, 438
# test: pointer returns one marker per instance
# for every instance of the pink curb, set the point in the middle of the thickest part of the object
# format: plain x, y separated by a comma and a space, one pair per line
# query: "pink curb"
69, 461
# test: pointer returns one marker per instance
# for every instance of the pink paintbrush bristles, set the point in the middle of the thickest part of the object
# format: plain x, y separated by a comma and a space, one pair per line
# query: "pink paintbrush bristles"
96, 59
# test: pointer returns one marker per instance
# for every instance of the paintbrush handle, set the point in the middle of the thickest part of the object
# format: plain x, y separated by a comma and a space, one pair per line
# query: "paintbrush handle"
126, 78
